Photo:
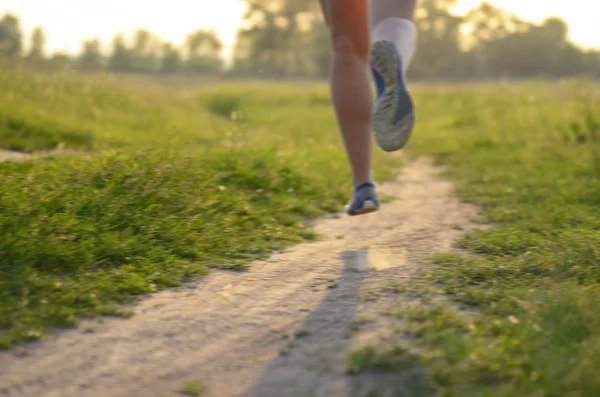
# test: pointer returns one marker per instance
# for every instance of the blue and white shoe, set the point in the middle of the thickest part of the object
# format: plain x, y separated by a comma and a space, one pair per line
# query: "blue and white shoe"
393, 112
365, 200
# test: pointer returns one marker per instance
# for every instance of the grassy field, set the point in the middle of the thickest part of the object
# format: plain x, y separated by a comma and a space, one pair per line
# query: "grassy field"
529, 155
179, 181
169, 167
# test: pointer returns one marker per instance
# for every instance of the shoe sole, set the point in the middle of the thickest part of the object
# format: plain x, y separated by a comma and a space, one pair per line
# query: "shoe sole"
368, 208
393, 113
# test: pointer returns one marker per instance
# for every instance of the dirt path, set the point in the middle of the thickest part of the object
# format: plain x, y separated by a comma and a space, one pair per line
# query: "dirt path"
10, 155
282, 329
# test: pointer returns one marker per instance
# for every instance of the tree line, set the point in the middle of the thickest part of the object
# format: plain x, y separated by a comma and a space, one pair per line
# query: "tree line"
288, 39
145, 52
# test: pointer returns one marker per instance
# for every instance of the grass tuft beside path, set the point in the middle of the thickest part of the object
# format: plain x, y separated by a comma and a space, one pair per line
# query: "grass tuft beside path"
178, 181
529, 155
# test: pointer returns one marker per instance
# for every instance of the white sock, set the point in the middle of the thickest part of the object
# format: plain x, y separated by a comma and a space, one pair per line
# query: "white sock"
401, 32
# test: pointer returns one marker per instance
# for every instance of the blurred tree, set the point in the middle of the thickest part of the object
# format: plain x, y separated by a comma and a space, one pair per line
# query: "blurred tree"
508, 47
591, 63
555, 29
91, 56
321, 53
60, 62
145, 52
438, 53
11, 37
258, 42
488, 23
121, 59
487, 26
204, 52
552, 47
170, 59
281, 38
37, 46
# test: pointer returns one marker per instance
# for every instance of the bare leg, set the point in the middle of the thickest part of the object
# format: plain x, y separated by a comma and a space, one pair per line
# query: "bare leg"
350, 80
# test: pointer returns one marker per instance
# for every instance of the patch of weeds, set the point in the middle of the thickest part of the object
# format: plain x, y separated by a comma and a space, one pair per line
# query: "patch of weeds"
364, 319
415, 288
30, 133
320, 99
370, 296
224, 105
371, 359
387, 198
302, 334
377, 392
287, 349
195, 389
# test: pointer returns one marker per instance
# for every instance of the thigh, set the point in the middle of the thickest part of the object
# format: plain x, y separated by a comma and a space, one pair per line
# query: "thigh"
349, 23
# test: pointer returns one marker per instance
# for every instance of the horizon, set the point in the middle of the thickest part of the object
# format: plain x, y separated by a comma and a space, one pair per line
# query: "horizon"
62, 17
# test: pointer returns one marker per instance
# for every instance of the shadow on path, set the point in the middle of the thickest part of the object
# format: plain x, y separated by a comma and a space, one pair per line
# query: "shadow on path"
313, 363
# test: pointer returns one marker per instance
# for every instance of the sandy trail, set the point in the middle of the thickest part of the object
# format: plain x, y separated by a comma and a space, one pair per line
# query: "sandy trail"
10, 155
282, 329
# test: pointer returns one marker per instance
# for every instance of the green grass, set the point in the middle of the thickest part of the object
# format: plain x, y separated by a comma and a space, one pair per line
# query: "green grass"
194, 389
529, 155
173, 188
368, 358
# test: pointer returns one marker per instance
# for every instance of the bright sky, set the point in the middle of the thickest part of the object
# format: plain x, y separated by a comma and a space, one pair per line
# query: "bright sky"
68, 22
581, 16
